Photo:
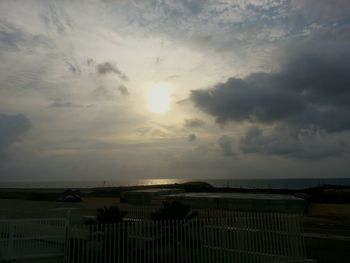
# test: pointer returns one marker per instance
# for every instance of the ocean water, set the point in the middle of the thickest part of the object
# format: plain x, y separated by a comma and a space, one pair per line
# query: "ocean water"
278, 183
235, 183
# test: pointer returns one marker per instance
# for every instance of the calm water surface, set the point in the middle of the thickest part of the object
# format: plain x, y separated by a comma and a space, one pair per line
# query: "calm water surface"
236, 183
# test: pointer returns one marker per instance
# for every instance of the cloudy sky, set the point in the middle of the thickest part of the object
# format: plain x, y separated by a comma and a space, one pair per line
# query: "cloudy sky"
127, 89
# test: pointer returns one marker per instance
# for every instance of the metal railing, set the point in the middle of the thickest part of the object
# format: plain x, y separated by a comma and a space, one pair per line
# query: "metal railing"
245, 237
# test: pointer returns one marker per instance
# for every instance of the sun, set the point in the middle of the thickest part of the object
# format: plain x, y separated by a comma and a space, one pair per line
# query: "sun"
158, 99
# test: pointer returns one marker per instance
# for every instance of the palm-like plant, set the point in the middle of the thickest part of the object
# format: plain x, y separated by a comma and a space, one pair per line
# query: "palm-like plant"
100, 238
176, 236
110, 215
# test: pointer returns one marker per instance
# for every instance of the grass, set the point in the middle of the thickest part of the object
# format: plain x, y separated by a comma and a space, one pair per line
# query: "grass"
99, 202
329, 210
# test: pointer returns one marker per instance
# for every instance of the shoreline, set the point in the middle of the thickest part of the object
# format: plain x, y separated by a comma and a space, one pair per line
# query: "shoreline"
322, 194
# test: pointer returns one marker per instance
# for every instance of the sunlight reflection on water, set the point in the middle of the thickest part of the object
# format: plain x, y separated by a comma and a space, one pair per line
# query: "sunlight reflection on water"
236, 183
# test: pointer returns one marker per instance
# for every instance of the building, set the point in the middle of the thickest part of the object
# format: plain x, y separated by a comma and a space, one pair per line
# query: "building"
242, 201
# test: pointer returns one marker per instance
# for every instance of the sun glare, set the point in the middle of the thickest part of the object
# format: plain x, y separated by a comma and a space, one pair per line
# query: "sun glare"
159, 99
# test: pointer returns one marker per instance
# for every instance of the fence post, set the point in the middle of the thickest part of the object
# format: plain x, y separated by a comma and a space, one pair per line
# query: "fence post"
11, 239
66, 255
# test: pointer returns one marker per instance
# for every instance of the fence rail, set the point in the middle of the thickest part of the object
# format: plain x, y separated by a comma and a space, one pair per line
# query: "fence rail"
27, 239
245, 237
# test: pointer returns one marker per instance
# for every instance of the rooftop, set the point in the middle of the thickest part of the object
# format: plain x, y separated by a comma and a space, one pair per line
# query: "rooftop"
155, 190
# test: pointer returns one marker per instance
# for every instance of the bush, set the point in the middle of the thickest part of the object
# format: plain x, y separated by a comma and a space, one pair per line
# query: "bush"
174, 210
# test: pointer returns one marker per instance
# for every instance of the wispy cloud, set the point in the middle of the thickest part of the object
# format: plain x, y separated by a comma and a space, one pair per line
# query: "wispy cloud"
60, 103
123, 90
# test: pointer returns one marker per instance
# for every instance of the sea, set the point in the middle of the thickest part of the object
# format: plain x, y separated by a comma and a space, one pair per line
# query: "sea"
234, 183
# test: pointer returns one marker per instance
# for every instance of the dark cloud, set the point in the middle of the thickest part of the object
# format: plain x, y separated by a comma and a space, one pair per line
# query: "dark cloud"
102, 93
182, 102
10, 36
11, 127
159, 133
108, 68
305, 103
153, 132
241, 100
13, 38
311, 88
123, 90
194, 6
225, 143
72, 65
192, 137
254, 141
158, 130
194, 123
312, 145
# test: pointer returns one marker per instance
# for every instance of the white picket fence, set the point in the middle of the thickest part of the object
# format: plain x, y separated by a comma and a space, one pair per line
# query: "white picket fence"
240, 237
28, 240
214, 236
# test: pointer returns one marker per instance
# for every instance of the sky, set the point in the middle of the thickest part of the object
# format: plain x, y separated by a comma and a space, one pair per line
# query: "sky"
192, 89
